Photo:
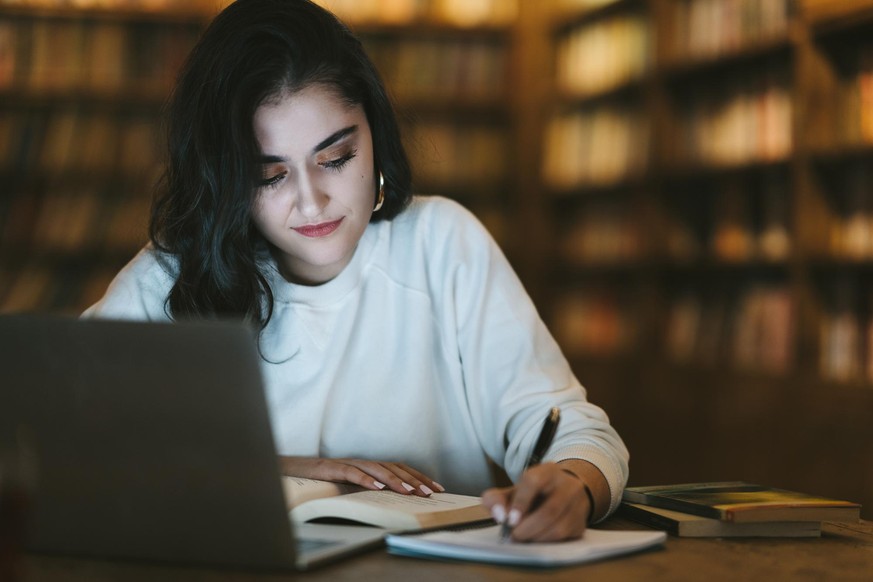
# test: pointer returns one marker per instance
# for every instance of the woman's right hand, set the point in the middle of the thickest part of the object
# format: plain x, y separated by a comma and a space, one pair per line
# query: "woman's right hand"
374, 475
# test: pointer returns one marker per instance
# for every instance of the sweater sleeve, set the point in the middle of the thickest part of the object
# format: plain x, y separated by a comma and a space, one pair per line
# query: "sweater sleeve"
139, 291
514, 370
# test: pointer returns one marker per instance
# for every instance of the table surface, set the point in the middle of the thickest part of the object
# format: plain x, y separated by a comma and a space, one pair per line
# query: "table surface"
844, 552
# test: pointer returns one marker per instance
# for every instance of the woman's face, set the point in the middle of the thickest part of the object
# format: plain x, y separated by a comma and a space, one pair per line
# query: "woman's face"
318, 187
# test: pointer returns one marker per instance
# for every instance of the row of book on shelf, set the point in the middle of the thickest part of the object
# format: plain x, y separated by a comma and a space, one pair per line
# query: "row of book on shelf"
63, 220
598, 57
452, 12
744, 124
77, 139
734, 509
732, 221
608, 52
846, 332
750, 330
604, 230
137, 5
446, 154
435, 68
739, 120
850, 225
88, 55
710, 28
48, 287
595, 147
854, 119
594, 321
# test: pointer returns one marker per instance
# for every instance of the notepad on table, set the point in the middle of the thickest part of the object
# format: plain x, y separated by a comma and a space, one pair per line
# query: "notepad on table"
483, 545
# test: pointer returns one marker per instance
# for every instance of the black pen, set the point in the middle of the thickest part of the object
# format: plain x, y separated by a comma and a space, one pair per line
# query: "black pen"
544, 441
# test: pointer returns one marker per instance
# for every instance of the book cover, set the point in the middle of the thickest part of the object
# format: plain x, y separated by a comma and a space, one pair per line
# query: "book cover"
741, 502
686, 525
312, 500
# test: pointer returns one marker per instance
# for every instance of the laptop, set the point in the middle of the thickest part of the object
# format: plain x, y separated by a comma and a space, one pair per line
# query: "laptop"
151, 441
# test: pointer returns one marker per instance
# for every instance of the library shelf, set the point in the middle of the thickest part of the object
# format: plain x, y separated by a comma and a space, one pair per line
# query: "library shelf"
736, 306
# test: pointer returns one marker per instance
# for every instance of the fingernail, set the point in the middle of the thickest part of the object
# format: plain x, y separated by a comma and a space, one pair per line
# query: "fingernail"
379, 485
408, 487
498, 513
426, 490
514, 517
438, 486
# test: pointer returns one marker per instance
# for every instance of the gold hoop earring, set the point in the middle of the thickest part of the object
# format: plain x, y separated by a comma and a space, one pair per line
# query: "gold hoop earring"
381, 199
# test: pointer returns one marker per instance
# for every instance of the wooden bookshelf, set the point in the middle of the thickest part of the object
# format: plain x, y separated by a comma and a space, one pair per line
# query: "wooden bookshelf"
711, 270
81, 93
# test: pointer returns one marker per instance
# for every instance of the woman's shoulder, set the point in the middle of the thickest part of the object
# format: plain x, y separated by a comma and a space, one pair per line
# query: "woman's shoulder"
150, 267
142, 285
443, 230
433, 206
431, 214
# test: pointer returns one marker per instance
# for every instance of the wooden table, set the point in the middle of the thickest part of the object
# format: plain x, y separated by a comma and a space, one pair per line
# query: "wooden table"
844, 552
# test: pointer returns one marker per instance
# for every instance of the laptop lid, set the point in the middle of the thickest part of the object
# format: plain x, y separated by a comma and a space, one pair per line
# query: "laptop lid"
151, 440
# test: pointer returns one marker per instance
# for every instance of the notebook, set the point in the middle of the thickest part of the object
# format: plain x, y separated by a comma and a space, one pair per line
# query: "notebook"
151, 441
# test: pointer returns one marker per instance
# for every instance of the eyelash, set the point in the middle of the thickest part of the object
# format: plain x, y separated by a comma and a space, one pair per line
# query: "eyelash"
274, 181
338, 164
333, 165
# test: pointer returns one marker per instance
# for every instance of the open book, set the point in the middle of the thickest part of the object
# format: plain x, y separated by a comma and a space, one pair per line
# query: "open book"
312, 500
484, 545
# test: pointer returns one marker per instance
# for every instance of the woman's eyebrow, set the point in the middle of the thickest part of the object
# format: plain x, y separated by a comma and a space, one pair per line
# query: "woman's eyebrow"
335, 137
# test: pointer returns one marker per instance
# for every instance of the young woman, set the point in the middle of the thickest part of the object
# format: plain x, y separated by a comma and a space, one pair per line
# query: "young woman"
400, 350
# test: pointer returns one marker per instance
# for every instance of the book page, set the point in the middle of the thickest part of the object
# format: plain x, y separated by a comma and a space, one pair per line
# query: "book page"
390, 500
300, 490
484, 545
392, 510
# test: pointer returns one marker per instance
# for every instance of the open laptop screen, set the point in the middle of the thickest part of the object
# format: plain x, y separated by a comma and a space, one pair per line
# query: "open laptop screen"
150, 440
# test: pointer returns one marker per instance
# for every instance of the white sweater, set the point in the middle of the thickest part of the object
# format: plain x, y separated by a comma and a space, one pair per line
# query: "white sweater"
426, 349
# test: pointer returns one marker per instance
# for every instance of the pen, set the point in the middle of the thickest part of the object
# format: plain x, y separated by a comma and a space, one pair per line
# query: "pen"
544, 441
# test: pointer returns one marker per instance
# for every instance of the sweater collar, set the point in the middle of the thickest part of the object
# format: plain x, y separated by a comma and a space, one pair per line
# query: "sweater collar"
333, 290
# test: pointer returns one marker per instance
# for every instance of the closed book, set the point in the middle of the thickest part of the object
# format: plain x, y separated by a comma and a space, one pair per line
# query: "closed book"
686, 525
741, 502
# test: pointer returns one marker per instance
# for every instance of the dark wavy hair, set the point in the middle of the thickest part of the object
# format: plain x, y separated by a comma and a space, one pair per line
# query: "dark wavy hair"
252, 51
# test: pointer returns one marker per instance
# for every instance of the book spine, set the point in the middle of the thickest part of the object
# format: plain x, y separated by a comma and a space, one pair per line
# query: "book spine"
648, 518
674, 504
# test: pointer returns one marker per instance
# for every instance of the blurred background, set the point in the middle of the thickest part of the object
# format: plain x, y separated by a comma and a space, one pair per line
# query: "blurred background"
684, 187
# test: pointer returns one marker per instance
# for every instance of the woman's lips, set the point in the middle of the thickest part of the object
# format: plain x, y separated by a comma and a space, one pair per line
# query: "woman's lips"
318, 230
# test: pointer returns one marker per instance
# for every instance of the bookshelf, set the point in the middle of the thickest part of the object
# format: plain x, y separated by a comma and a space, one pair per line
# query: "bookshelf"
712, 234
82, 91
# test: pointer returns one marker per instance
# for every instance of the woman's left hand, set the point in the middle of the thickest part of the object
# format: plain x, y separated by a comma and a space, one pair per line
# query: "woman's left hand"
550, 502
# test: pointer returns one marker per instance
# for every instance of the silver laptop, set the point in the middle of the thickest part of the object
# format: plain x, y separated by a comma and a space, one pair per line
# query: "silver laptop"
151, 441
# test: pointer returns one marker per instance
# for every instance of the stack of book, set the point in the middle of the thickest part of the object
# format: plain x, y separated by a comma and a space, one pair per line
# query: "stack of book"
733, 509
